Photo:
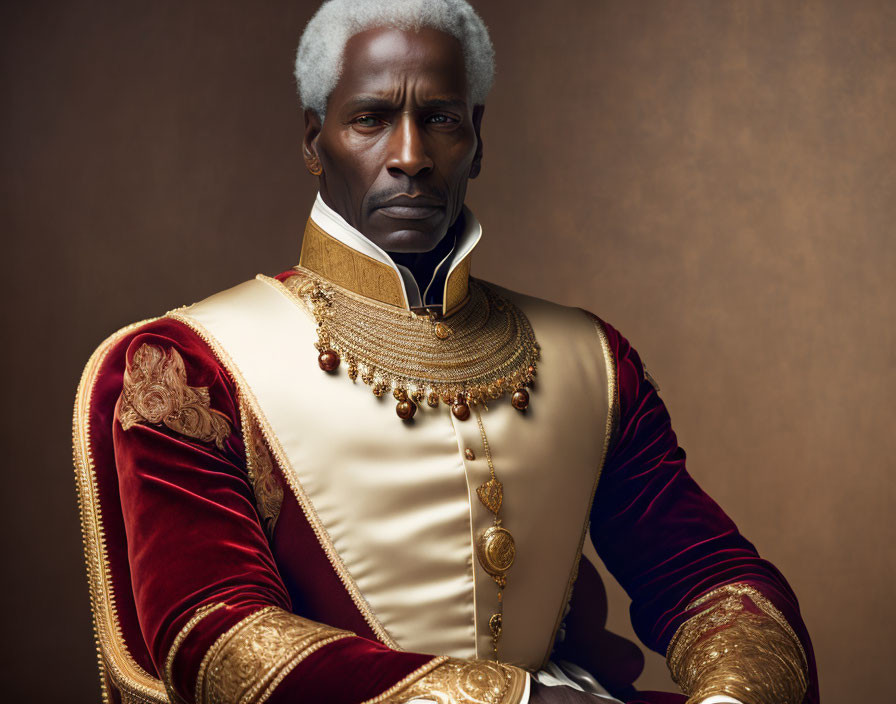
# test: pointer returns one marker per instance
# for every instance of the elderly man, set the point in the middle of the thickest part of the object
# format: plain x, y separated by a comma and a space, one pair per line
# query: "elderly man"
369, 478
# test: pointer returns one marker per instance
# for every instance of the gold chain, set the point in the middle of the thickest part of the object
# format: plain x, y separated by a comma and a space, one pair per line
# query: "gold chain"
496, 547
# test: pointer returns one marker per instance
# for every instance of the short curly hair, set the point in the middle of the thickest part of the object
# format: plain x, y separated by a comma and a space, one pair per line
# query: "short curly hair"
319, 57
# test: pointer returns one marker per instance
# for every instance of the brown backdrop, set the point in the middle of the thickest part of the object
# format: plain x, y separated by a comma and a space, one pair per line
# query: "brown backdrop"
714, 178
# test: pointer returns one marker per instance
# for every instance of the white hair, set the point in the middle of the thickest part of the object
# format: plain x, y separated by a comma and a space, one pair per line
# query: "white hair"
319, 58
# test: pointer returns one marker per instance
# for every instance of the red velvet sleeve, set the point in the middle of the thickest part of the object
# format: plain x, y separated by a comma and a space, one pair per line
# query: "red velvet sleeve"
195, 542
663, 538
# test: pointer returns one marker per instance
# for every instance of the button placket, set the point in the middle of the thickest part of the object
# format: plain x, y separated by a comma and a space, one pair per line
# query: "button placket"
476, 472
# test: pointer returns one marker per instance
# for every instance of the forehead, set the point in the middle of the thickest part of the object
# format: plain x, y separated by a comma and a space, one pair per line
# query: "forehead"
383, 61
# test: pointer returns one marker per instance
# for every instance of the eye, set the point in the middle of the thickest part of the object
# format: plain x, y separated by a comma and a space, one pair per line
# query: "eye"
441, 119
367, 121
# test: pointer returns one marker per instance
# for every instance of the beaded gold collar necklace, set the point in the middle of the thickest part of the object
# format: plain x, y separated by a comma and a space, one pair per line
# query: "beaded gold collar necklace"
484, 350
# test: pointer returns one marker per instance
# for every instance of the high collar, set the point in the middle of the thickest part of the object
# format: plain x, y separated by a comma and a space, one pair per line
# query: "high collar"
335, 250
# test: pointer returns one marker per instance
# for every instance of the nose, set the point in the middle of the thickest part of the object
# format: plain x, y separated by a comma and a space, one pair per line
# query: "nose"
407, 149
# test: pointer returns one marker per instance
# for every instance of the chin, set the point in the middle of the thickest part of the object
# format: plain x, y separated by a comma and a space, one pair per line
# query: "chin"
407, 241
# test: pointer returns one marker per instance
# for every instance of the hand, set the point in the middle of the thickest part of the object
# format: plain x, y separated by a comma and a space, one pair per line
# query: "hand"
541, 694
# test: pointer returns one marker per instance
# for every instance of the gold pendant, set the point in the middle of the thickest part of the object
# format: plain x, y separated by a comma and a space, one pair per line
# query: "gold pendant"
491, 494
496, 550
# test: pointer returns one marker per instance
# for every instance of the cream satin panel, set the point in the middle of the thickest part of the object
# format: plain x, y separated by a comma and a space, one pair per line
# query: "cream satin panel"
397, 500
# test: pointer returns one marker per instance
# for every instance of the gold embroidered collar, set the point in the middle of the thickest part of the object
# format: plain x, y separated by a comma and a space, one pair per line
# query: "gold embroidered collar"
345, 266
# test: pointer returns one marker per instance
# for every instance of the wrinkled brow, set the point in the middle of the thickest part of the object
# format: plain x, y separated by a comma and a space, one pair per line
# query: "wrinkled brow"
376, 103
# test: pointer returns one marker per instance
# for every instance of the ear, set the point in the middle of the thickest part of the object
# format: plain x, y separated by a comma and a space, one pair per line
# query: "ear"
309, 142
477, 124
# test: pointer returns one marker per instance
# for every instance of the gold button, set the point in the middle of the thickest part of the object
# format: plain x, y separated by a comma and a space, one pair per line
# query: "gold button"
469, 454
443, 332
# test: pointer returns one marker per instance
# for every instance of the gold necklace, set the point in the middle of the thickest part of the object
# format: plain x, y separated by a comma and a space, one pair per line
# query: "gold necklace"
479, 353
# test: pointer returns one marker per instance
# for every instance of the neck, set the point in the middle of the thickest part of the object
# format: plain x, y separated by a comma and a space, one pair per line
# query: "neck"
423, 264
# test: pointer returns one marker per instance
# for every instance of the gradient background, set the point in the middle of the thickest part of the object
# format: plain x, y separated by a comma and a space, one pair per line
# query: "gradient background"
716, 179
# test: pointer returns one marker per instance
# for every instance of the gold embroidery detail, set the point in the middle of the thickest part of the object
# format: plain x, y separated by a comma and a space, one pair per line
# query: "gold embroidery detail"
246, 663
490, 352
462, 682
330, 258
200, 614
117, 667
260, 465
155, 391
739, 645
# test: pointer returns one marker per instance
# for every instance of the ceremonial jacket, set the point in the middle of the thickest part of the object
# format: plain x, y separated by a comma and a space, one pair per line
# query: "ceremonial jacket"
257, 529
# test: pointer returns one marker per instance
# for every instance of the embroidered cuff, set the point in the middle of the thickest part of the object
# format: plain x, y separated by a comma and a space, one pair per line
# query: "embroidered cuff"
451, 681
247, 662
738, 645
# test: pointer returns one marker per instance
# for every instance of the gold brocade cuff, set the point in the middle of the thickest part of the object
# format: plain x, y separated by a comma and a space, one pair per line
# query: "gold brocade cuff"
739, 644
453, 681
245, 664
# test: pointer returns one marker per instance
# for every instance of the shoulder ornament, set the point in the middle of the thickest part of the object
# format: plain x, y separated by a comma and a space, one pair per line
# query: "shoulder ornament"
156, 392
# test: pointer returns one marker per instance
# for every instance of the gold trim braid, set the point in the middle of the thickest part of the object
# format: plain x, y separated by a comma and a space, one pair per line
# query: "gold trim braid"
454, 681
739, 645
247, 663
200, 614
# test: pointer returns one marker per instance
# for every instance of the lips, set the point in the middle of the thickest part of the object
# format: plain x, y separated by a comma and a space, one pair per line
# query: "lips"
411, 208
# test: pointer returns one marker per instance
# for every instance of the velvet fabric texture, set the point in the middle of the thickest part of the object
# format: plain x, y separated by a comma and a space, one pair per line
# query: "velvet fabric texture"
188, 534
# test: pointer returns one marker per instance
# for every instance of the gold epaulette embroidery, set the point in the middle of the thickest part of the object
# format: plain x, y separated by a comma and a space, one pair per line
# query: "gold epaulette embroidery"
453, 681
260, 466
156, 391
739, 645
247, 663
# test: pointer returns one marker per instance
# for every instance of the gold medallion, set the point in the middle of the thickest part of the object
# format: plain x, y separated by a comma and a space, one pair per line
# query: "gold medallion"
496, 550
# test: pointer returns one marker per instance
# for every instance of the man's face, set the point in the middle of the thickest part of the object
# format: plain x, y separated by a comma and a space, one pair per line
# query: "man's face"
399, 140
